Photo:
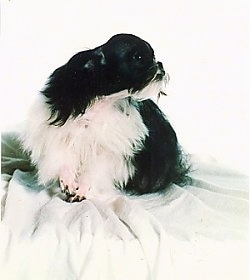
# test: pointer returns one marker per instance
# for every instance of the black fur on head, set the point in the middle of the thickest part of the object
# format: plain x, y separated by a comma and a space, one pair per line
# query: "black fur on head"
125, 62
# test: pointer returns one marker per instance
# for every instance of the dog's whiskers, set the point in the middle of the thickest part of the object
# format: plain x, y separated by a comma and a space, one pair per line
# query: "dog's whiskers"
166, 79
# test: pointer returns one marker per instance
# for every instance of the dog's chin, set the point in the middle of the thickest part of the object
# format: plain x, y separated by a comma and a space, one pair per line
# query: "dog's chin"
152, 90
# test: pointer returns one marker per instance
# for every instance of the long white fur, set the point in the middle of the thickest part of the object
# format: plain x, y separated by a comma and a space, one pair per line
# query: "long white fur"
92, 150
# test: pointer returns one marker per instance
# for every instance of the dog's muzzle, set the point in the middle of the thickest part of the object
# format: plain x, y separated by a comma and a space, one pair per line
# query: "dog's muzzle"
161, 70
161, 74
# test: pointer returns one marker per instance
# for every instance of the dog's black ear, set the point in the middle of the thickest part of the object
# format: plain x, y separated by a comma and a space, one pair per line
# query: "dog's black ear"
72, 87
57, 96
96, 61
89, 60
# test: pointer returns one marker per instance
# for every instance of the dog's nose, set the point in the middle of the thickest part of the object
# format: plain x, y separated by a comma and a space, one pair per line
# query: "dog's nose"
160, 68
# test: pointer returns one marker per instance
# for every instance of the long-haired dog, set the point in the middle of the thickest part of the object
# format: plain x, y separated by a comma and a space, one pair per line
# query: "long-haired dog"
94, 129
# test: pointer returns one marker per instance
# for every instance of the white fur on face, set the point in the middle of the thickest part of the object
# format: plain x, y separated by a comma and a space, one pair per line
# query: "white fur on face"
152, 90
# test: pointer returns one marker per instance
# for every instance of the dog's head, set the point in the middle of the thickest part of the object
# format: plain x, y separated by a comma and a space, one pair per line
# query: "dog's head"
124, 63
131, 63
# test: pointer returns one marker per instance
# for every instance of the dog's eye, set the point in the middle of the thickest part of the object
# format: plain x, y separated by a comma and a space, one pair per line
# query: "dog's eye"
137, 57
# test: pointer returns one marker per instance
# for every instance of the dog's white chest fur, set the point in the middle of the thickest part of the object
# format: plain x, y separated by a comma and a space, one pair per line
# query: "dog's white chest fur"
89, 153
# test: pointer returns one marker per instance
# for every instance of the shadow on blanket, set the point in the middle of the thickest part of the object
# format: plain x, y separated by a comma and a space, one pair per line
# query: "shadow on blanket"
12, 152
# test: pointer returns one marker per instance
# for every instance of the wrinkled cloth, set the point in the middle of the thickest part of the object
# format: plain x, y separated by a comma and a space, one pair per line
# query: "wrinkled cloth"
199, 231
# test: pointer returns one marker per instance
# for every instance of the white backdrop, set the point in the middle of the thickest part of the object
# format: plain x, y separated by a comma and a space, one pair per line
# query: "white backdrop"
202, 43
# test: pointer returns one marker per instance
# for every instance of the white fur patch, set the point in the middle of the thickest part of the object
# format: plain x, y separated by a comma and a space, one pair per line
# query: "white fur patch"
93, 149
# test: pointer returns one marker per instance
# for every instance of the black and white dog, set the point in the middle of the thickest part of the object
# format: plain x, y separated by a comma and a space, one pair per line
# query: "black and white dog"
94, 129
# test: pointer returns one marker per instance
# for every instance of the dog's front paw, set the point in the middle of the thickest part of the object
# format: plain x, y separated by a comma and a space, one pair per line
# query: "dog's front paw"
68, 182
68, 187
73, 191
74, 186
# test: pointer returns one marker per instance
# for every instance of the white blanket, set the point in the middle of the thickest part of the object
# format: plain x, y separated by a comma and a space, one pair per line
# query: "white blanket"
196, 232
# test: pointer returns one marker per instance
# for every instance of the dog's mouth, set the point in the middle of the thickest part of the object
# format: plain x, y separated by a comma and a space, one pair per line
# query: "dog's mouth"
161, 75
155, 84
160, 72
155, 73
165, 79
